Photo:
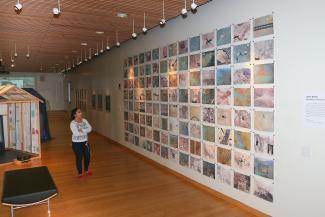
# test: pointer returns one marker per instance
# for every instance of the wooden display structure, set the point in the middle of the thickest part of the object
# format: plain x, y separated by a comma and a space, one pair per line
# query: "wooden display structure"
20, 114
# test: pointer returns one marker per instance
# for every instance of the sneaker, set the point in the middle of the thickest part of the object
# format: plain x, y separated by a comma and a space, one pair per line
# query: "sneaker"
88, 173
80, 176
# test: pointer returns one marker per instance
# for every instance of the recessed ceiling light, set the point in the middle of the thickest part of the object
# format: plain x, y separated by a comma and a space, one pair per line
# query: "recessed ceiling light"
122, 15
99, 32
84, 44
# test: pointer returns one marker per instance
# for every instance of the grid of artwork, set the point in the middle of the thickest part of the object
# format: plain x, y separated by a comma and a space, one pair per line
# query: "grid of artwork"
207, 103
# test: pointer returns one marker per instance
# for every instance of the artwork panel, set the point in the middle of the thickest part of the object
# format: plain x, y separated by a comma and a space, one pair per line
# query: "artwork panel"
224, 117
208, 40
195, 130
224, 56
208, 77
242, 162
264, 121
208, 152
208, 59
172, 80
208, 133
164, 52
242, 53
224, 36
183, 159
208, 115
173, 141
173, 155
195, 95
183, 63
155, 54
173, 110
183, 47
264, 97
209, 169
195, 113
172, 50
242, 140
195, 61
195, 78
263, 26
173, 95
242, 97
195, 147
224, 96
264, 73
264, 144
195, 43
243, 119
264, 167
183, 111
224, 175
195, 164
183, 95
264, 50
223, 76
242, 182
224, 156
242, 31
208, 96
242, 76
183, 144
225, 136
183, 79
263, 190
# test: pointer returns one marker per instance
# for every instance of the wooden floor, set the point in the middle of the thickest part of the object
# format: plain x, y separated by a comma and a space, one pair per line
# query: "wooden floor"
123, 185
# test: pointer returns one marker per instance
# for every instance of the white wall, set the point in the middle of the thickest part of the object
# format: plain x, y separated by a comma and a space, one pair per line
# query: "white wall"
49, 85
299, 52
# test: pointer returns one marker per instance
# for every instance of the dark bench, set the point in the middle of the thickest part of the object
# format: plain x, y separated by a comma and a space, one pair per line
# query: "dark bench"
28, 187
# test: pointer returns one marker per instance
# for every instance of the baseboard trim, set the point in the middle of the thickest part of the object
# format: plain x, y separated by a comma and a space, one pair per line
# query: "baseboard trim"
188, 180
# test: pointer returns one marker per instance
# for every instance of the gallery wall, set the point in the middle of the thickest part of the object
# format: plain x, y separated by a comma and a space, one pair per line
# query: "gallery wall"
49, 85
298, 151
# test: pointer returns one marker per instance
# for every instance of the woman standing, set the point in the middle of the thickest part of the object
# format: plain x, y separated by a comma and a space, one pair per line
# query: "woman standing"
80, 129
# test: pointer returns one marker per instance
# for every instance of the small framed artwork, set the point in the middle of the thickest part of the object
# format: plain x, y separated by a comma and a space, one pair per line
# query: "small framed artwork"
93, 101
108, 103
100, 102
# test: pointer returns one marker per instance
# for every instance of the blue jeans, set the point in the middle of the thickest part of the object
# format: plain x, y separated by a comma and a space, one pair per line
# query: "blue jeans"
81, 150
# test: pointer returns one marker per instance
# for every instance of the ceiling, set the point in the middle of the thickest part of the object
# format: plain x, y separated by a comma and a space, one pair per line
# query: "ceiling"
52, 40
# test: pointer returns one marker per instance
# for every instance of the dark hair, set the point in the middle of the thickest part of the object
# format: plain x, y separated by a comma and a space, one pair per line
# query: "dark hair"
73, 113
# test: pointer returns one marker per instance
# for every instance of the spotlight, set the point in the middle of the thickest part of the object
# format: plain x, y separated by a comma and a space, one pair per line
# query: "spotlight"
144, 30
12, 65
18, 7
107, 44
57, 11
184, 12
193, 6
102, 50
118, 44
27, 55
134, 35
162, 22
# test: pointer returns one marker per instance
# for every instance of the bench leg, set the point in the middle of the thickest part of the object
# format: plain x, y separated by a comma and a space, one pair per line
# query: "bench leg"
12, 211
48, 207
